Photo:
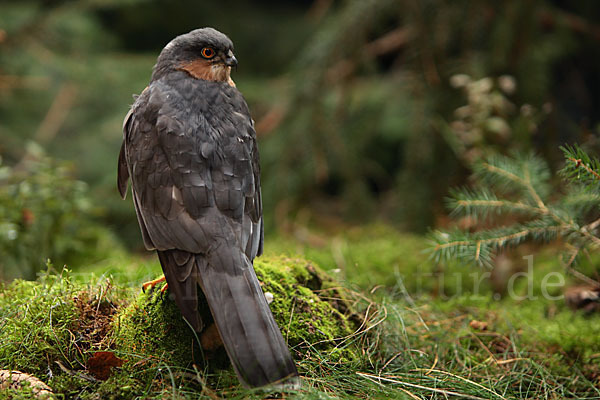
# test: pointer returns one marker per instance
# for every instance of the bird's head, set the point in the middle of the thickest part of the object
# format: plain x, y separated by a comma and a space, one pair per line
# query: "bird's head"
203, 53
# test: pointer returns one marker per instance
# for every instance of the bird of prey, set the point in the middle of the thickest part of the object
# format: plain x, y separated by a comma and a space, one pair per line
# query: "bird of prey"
190, 150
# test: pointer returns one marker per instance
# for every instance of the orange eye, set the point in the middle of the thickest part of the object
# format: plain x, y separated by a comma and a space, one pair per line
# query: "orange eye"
207, 52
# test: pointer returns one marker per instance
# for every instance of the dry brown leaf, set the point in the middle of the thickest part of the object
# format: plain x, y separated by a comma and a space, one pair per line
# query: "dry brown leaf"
100, 365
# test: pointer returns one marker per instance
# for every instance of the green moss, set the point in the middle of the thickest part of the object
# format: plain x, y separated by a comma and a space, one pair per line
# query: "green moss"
24, 393
36, 318
545, 347
307, 305
50, 328
151, 330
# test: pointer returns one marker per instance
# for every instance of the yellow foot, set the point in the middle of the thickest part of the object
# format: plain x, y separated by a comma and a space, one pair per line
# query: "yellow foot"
164, 288
152, 284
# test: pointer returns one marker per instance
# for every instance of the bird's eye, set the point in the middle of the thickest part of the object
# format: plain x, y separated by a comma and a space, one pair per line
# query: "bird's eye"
207, 52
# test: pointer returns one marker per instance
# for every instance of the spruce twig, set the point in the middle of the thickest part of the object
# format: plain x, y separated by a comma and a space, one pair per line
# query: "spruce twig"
580, 167
518, 187
580, 164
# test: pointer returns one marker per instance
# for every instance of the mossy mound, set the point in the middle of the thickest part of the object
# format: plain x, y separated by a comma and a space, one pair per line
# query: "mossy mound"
312, 310
52, 327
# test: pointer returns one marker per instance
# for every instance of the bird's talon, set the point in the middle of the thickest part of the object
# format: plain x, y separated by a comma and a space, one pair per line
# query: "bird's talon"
164, 288
152, 284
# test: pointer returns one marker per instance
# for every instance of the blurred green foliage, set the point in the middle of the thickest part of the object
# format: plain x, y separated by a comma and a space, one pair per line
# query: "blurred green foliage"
373, 82
45, 213
353, 99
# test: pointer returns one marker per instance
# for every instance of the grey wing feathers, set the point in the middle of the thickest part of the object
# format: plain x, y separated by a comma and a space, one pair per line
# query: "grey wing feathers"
196, 190
123, 171
193, 172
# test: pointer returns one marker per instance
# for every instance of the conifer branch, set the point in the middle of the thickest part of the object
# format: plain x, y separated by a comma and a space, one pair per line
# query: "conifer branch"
523, 175
522, 184
502, 172
520, 181
581, 200
585, 232
499, 205
592, 225
498, 241
532, 191
580, 167
479, 246
579, 164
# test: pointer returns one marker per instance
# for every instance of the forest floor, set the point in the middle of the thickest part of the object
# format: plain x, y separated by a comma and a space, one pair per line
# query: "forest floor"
382, 321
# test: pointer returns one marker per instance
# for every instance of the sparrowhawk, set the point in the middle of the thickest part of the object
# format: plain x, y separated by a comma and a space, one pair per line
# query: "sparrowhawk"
190, 151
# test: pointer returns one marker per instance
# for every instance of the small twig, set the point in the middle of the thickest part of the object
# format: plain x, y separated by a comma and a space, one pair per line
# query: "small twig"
592, 225
584, 231
388, 43
498, 239
511, 360
432, 368
487, 350
569, 267
580, 164
75, 373
521, 181
392, 359
391, 41
500, 203
56, 115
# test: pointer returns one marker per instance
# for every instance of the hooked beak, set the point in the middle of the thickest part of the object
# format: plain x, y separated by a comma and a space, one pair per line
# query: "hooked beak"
230, 60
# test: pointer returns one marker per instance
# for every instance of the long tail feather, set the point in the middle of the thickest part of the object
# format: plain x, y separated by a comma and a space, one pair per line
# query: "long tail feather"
239, 308
249, 332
